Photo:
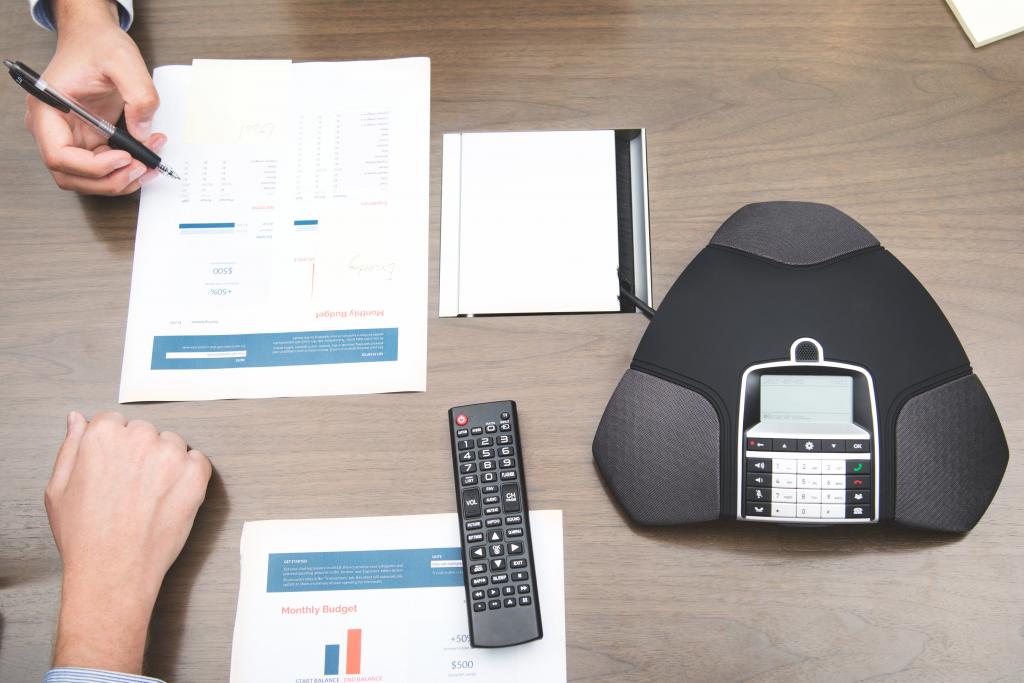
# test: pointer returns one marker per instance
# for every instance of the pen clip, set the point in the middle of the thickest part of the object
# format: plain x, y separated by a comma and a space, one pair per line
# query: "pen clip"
26, 78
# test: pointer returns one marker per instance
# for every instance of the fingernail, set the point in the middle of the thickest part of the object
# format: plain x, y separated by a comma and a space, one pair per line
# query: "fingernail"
159, 143
73, 420
136, 172
122, 163
149, 177
144, 128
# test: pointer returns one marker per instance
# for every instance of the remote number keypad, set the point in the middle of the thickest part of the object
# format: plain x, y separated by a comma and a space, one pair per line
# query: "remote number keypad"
495, 541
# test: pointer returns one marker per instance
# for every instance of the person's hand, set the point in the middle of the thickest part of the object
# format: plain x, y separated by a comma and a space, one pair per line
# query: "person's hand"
97, 64
121, 503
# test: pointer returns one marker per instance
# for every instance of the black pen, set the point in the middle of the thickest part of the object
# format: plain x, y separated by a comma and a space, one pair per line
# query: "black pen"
117, 138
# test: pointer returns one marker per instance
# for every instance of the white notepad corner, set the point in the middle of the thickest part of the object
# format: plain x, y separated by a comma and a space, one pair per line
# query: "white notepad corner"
986, 21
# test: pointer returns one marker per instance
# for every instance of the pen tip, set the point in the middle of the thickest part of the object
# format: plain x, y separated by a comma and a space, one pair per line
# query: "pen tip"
168, 171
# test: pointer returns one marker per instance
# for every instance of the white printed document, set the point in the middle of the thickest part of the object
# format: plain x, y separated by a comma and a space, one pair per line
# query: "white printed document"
291, 259
381, 599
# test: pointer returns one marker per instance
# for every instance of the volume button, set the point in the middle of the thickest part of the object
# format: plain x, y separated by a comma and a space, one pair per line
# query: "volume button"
471, 502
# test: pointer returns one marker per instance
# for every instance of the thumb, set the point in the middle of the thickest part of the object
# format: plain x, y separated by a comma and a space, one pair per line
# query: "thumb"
141, 100
67, 455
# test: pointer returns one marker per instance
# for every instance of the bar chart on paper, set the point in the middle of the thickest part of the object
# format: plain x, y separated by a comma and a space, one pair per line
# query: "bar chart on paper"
353, 654
369, 613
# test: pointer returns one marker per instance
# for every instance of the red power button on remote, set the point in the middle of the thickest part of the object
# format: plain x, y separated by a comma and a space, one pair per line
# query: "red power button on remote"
461, 420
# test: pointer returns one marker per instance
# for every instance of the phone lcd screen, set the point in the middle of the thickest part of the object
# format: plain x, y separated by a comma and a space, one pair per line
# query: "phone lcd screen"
807, 398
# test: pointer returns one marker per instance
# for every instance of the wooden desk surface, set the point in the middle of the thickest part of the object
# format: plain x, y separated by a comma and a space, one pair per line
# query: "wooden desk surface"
882, 109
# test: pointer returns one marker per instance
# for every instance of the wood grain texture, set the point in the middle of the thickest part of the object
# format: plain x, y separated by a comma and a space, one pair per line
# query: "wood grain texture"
882, 109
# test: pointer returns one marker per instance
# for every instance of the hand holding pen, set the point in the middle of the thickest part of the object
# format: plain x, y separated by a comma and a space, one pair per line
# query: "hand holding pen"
99, 68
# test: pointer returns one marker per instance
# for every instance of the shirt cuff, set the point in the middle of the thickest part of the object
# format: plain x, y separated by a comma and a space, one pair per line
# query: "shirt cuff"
41, 13
76, 675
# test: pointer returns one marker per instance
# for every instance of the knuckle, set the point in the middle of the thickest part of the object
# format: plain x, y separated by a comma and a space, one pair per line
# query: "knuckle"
109, 186
146, 98
129, 189
141, 427
173, 452
110, 190
173, 437
51, 498
201, 475
203, 463
200, 484
105, 424
50, 159
109, 417
60, 179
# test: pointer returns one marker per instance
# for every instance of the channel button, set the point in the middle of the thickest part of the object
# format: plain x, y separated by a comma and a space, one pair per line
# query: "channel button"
510, 497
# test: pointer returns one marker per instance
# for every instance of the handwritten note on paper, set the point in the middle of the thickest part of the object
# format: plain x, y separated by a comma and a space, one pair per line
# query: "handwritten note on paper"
237, 102
352, 256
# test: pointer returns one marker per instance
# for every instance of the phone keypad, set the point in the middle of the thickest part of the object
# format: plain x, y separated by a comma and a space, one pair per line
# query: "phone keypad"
804, 479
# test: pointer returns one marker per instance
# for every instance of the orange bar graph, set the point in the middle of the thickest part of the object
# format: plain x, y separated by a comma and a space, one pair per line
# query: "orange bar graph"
354, 651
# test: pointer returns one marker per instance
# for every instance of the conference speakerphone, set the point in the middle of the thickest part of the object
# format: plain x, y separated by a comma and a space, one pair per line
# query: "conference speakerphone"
797, 372
806, 449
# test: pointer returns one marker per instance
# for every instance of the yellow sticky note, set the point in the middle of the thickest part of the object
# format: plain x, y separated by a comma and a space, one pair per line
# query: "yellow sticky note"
237, 101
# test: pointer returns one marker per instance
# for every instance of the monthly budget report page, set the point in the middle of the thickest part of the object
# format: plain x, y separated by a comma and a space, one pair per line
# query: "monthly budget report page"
291, 259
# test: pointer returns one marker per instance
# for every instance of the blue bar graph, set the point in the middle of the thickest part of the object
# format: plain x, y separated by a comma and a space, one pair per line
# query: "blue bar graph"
204, 226
307, 221
332, 654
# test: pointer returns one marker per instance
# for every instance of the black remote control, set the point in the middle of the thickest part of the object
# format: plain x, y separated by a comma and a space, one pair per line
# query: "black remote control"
494, 523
